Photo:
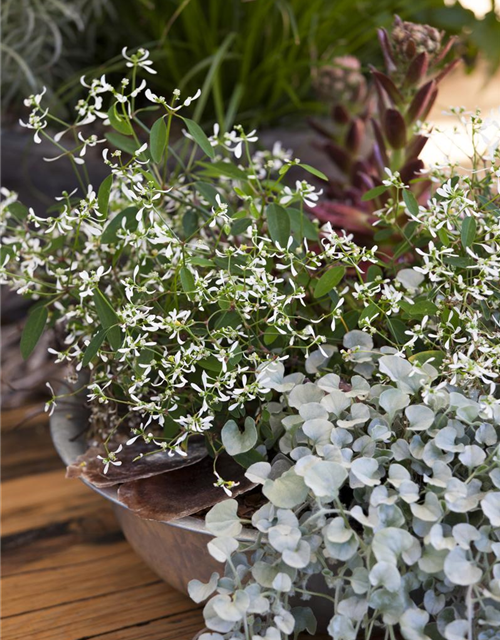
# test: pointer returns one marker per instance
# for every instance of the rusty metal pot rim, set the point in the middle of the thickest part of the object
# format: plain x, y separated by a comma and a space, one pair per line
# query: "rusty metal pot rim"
69, 442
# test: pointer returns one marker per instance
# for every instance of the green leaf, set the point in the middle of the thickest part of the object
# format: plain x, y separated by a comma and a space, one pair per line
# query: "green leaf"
328, 281
278, 222
419, 309
302, 226
228, 319
207, 191
374, 193
19, 211
315, 172
33, 329
108, 318
383, 235
368, 313
121, 142
444, 237
239, 226
187, 281
374, 272
271, 334
103, 195
228, 169
109, 234
190, 222
468, 231
93, 347
158, 140
211, 364
199, 137
119, 121
457, 261
397, 328
248, 458
424, 356
410, 202
202, 262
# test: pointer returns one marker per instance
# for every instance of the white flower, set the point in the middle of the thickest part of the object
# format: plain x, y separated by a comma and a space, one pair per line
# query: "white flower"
138, 59
111, 459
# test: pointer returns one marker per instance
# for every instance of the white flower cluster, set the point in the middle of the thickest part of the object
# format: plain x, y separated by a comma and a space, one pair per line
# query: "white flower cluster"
172, 293
390, 489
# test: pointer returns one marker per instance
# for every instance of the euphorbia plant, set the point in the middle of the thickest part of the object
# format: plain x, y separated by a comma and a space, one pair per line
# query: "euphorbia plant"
170, 286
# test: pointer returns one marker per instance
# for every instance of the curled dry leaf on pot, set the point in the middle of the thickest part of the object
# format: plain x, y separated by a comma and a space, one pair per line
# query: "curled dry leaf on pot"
379, 127
140, 461
184, 491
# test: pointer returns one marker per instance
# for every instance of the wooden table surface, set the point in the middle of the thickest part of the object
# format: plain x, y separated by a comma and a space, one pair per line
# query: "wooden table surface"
67, 571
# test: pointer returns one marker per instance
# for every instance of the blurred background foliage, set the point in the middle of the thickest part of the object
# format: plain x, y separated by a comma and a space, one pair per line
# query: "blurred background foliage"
253, 58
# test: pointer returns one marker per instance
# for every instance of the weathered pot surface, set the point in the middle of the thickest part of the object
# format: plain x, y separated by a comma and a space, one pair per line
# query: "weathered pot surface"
175, 550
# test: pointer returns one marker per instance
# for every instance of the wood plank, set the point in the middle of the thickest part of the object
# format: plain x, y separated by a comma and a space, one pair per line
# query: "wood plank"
36, 590
92, 616
176, 627
31, 502
19, 460
69, 543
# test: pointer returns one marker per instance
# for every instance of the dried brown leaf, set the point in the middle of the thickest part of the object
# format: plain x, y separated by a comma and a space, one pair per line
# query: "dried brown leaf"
90, 468
183, 492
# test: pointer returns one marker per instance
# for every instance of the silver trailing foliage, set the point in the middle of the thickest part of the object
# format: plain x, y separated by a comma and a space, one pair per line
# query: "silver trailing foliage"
388, 487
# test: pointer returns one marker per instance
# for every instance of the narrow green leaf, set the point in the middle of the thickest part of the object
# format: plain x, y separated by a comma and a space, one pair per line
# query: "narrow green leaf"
121, 142
108, 318
190, 223
374, 272
248, 458
216, 169
374, 193
410, 202
302, 226
187, 281
419, 309
119, 121
19, 211
33, 329
368, 313
207, 191
239, 226
328, 281
314, 171
199, 137
421, 358
468, 231
278, 222
444, 237
398, 329
103, 195
271, 334
158, 140
109, 235
93, 347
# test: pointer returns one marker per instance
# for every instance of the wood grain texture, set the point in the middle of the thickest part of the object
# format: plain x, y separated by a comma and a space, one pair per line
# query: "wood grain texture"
67, 571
